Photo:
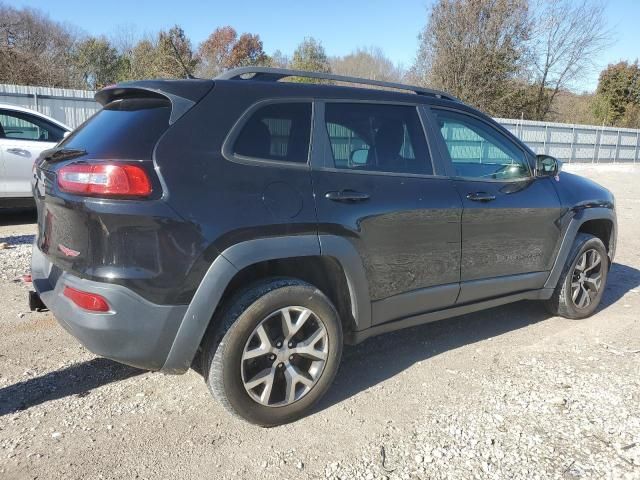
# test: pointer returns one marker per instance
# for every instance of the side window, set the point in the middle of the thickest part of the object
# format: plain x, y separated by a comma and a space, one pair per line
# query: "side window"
377, 137
479, 151
22, 126
279, 131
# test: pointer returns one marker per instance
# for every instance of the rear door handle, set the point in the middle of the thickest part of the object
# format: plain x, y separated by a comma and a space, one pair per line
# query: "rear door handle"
346, 196
481, 197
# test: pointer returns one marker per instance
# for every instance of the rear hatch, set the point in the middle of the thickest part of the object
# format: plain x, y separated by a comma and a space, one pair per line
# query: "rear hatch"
98, 194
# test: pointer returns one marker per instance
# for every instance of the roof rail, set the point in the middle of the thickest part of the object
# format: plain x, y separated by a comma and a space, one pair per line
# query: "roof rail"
275, 74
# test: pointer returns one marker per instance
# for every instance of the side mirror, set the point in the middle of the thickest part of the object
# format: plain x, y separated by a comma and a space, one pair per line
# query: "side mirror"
359, 157
66, 134
547, 166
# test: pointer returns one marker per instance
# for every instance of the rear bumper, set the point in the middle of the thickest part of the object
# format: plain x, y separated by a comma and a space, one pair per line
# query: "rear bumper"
136, 332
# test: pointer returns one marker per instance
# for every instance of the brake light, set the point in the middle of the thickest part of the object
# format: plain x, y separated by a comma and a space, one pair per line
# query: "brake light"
105, 179
86, 300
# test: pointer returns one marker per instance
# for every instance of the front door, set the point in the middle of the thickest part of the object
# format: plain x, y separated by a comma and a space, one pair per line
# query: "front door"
376, 189
509, 222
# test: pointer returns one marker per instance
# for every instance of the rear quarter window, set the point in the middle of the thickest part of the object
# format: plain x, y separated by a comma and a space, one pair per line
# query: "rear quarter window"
279, 131
128, 128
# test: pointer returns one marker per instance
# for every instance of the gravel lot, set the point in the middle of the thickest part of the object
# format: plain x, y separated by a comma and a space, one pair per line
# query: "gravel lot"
506, 393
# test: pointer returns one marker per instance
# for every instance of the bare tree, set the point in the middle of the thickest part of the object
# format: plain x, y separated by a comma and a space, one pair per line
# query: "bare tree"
279, 60
474, 49
566, 37
367, 63
124, 37
35, 50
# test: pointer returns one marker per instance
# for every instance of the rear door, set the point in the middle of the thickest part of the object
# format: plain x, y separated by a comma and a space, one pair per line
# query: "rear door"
509, 223
25, 137
375, 186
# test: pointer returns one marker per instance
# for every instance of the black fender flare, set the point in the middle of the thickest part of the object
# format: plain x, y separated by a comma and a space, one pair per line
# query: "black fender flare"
244, 254
580, 216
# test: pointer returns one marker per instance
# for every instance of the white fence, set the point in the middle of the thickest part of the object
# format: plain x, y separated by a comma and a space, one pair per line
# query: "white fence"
71, 107
578, 143
569, 143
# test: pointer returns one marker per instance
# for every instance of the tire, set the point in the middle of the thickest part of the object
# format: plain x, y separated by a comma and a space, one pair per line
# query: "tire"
562, 301
238, 330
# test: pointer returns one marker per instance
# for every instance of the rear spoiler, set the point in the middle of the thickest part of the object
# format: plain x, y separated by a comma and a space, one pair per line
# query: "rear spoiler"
183, 94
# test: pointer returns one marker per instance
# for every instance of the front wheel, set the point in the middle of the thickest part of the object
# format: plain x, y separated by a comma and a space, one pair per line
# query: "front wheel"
583, 279
276, 351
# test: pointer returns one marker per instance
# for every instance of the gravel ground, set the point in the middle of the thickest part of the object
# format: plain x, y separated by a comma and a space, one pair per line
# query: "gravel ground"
506, 393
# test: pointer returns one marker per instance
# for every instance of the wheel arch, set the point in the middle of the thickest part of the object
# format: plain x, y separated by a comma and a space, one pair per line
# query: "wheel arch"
601, 228
328, 262
598, 221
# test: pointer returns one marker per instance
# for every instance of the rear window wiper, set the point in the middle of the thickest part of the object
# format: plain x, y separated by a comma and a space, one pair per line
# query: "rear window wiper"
61, 153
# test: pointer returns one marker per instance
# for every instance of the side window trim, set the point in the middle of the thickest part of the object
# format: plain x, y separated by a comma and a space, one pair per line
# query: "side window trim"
27, 117
234, 132
324, 153
444, 151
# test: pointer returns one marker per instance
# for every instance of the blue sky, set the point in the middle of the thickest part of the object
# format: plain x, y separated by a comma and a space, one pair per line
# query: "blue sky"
341, 26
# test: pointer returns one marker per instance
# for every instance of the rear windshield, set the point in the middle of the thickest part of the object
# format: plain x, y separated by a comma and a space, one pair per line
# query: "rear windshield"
128, 128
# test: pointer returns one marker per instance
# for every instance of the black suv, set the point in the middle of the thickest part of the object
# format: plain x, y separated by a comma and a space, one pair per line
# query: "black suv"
248, 227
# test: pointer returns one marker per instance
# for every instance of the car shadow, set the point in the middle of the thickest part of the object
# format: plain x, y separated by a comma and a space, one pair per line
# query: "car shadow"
78, 380
18, 239
18, 216
621, 279
383, 357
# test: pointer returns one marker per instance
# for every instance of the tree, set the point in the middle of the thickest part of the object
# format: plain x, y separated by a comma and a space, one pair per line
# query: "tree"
279, 60
142, 61
474, 49
97, 62
35, 50
569, 107
223, 50
310, 56
247, 51
216, 50
367, 63
566, 37
176, 58
167, 55
618, 95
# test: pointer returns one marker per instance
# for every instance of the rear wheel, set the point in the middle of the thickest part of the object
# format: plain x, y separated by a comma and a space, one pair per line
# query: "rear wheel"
583, 279
275, 353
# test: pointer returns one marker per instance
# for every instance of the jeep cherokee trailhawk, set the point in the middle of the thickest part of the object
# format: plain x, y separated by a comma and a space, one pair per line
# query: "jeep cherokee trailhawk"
248, 227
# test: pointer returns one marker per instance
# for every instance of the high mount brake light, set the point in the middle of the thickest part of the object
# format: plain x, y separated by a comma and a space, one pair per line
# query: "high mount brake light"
105, 179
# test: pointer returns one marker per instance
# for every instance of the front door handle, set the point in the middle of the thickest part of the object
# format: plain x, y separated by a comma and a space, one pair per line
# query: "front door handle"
481, 197
19, 151
347, 196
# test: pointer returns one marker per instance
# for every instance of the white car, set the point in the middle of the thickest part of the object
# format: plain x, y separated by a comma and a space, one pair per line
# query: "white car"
24, 134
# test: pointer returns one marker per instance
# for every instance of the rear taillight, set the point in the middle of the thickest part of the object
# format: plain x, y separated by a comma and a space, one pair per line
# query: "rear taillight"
105, 179
86, 300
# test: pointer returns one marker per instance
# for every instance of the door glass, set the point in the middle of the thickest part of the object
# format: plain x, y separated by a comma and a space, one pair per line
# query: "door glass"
479, 151
22, 126
377, 137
